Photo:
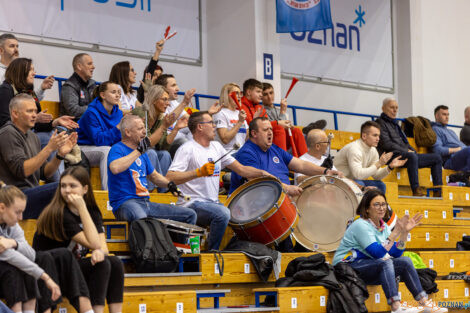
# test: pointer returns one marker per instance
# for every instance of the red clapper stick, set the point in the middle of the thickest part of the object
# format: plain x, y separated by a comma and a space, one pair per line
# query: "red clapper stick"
233, 95
291, 139
167, 31
171, 35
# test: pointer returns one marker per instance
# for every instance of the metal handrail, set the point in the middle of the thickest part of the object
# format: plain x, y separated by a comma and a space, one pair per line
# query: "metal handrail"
294, 108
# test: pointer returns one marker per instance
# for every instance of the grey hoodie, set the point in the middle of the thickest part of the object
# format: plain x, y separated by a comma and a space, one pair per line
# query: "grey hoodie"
23, 256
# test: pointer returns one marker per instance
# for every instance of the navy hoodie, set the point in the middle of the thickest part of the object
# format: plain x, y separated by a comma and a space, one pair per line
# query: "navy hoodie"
97, 127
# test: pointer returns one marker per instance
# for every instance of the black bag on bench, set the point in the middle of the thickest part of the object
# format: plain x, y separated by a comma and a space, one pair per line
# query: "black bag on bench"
151, 247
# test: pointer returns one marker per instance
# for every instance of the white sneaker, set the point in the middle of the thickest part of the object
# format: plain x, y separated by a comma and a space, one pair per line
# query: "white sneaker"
432, 307
406, 308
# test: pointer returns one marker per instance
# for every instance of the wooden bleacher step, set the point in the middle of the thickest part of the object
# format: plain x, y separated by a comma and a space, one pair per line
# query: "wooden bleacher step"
240, 308
211, 293
417, 198
314, 299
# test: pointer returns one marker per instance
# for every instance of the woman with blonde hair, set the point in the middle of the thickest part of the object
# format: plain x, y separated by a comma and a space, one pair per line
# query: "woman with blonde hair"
155, 103
73, 220
230, 122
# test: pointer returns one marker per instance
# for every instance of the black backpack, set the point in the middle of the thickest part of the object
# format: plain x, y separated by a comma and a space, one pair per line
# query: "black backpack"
151, 247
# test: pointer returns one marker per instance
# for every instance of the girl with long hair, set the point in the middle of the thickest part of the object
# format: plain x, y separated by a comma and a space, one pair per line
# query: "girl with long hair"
27, 275
231, 125
123, 74
99, 127
73, 220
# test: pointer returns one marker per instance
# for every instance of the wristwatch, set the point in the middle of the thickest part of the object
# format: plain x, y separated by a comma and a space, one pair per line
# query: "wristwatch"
57, 156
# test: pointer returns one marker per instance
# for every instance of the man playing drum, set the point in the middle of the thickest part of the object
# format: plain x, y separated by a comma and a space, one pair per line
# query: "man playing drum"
260, 152
359, 159
196, 169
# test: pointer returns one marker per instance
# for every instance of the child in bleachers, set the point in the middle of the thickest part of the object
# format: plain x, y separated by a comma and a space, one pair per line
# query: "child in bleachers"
73, 220
99, 127
18, 272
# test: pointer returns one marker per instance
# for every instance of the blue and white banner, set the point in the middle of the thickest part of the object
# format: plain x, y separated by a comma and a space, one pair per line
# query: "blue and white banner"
356, 50
302, 15
132, 25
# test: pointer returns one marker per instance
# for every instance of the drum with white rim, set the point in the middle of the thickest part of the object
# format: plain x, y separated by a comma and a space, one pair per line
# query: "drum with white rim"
325, 206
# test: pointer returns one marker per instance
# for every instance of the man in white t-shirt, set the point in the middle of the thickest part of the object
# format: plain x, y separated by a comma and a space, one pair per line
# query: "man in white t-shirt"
194, 171
317, 143
8, 52
228, 119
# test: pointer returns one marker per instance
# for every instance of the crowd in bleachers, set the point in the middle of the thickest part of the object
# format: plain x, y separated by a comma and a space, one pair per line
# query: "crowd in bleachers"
145, 142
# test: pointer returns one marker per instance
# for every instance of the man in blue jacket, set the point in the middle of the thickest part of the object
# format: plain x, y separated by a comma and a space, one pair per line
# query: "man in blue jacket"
455, 154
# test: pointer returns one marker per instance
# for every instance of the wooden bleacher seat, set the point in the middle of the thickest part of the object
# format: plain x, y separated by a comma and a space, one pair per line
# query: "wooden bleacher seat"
292, 299
52, 107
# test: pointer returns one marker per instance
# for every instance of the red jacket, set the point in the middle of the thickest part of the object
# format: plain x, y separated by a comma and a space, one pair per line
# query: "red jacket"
250, 108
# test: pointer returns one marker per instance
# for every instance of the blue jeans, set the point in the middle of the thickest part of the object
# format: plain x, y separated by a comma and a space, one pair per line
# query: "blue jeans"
216, 216
380, 272
37, 199
418, 160
459, 161
161, 161
134, 209
375, 183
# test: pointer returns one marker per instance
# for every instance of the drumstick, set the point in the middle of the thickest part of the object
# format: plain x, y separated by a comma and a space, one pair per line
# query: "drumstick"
186, 198
235, 147
291, 140
233, 95
294, 81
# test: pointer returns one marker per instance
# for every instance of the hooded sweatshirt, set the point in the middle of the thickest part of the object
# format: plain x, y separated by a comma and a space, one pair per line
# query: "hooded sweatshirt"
23, 256
97, 127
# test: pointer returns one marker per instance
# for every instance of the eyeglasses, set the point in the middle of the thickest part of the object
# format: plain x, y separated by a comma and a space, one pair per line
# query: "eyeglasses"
382, 205
209, 122
164, 99
322, 142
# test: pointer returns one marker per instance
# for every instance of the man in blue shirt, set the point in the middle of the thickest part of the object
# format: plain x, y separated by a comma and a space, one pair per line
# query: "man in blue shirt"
128, 170
260, 152
455, 154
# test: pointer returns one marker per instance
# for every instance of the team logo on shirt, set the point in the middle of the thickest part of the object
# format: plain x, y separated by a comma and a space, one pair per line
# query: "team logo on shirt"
276, 160
138, 162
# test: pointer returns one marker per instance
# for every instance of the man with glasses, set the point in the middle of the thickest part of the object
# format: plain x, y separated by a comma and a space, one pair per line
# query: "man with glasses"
360, 160
317, 143
196, 170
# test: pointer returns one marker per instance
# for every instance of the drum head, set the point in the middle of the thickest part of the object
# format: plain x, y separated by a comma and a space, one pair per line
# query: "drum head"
183, 228
254, 200
325, 206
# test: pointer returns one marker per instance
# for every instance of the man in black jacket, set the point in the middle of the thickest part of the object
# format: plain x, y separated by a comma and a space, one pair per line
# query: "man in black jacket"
393, 139
77, 91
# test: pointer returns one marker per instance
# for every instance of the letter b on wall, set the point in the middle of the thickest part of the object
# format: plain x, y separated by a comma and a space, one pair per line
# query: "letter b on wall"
268, 65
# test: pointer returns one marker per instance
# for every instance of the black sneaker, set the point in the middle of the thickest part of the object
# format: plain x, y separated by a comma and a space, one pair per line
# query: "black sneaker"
320, 124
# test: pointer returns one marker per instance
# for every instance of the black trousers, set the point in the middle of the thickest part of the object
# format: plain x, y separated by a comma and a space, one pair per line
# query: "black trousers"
15, 285
64, 269
105, 279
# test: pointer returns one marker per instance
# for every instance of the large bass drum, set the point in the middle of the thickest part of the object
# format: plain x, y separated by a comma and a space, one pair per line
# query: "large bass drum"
325, 207
261, 211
